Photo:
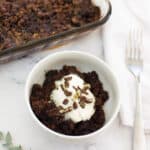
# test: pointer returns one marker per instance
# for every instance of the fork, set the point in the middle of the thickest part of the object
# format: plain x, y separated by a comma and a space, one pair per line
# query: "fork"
134, 62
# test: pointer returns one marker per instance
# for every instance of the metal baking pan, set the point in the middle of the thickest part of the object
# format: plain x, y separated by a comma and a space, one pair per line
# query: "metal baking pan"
58, 39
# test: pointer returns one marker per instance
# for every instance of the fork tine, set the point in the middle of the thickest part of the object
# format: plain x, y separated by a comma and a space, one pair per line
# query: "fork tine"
132, 38
134, 45
138, 53
130, 45
140, 43
128, 52
127, 49
136, 40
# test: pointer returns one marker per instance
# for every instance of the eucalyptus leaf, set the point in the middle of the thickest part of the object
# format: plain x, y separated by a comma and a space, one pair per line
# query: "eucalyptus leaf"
15, 148
6, 144
8, 139
1, 136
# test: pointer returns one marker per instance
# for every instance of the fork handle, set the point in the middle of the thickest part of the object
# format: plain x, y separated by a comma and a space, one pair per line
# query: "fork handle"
139, 142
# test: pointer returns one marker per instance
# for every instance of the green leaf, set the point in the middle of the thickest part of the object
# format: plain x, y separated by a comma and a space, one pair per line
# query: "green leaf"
6, 144
15, 148
1, 136
8, 139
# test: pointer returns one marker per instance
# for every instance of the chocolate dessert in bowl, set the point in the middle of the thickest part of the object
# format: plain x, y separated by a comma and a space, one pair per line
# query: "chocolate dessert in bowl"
72, 94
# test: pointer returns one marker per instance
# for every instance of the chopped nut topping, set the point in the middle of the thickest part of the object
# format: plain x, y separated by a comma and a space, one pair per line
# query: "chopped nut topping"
88, 101
84, 92
75, 88
66, 83
75, 106
87, 86
66, 110
60, 108
82, 104
66, 101
77, 94
67, 93
67, 79
84, 99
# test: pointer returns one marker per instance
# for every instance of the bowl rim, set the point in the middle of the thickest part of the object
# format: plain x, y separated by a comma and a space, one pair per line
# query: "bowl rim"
71, 137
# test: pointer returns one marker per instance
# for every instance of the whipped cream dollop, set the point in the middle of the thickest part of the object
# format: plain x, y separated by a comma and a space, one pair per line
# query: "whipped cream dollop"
74, 98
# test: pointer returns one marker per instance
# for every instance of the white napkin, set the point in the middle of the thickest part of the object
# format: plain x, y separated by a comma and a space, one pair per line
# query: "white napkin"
115, 34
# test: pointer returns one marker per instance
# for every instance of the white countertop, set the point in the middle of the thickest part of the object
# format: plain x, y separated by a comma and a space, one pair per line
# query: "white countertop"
15, 117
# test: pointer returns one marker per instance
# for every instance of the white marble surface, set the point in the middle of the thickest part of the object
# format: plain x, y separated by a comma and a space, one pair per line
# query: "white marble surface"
15, 117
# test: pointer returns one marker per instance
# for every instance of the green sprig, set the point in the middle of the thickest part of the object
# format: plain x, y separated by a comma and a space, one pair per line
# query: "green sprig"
6, 141
1, 136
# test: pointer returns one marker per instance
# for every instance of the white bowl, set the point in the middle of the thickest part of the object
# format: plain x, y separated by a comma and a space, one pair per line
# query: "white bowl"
84, 62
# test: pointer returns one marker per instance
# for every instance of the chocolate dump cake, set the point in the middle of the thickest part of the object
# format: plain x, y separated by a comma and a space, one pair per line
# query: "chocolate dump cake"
69, 101
22, 21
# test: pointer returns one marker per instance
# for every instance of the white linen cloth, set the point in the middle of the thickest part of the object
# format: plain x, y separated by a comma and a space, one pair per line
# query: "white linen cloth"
115, 34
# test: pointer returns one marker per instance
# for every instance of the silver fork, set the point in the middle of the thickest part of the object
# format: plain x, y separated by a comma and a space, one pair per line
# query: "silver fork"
134, 63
